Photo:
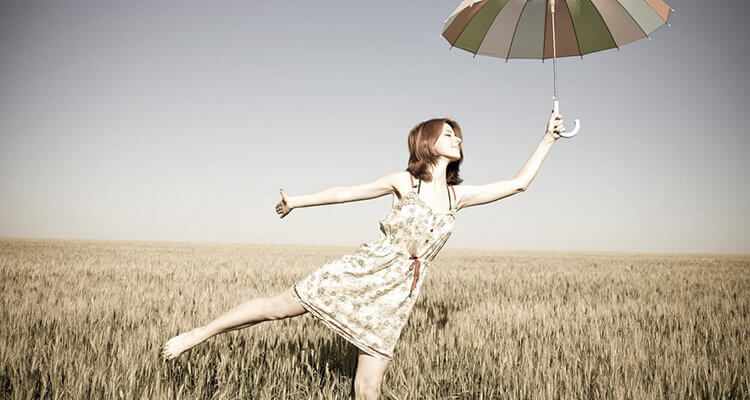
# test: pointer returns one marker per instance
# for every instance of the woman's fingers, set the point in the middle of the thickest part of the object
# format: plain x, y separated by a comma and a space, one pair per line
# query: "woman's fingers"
559, 123
282, 208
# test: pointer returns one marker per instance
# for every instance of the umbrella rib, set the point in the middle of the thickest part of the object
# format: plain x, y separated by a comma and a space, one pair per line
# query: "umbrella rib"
490, 26
515, 30
544, 36
605, 25
575, 33
633, 18
467, 24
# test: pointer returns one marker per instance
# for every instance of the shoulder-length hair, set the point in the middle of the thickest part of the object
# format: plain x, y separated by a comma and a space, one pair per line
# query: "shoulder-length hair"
422, 139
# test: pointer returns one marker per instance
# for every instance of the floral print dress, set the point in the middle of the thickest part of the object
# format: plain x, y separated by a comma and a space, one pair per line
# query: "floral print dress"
367, 296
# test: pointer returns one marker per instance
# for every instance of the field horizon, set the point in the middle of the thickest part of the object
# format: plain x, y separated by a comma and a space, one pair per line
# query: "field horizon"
484, 251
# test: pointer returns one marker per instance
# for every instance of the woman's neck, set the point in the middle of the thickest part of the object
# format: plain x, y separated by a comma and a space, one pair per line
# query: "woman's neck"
438, 172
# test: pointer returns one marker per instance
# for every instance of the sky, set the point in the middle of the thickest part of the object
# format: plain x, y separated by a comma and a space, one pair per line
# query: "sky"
181, 120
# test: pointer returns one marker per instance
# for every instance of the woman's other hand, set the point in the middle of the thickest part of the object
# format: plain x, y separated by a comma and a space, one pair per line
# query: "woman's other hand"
555, 125
282, 207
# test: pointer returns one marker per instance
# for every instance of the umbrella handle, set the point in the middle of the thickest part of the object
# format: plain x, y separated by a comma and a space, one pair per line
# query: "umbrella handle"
556, 109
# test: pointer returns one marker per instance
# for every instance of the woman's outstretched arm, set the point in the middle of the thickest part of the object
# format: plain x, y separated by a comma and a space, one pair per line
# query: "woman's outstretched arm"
531, 168
340, 194
472, 195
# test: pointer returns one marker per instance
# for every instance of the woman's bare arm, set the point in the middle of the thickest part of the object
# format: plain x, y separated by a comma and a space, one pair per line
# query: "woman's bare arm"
531, 168
342, 194
471, 195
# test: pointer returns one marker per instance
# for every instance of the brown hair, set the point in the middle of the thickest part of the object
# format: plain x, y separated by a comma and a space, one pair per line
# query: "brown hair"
422, 138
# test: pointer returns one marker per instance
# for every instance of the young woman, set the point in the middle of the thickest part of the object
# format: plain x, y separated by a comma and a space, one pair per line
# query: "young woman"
367, 296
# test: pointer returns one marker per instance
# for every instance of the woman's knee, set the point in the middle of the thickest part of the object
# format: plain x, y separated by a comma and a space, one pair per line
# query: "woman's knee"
369, 376
366, 390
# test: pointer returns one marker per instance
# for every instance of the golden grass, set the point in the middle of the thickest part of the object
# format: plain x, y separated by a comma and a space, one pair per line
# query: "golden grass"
86, 319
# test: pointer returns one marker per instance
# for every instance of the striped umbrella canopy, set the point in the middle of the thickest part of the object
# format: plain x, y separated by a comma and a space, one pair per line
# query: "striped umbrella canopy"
523, 28
542, 29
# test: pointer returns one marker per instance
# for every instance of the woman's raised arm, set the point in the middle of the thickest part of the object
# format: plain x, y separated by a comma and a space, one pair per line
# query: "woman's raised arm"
530, 169
472, 195
341, 194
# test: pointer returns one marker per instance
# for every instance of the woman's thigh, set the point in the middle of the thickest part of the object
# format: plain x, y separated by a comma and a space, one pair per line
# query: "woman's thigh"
285, 305
370, 372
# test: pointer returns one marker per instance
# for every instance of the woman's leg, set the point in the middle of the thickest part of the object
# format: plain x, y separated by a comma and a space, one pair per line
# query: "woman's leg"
369, 376
249, 313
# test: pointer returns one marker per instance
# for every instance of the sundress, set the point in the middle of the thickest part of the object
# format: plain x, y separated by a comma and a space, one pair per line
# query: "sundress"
366, 297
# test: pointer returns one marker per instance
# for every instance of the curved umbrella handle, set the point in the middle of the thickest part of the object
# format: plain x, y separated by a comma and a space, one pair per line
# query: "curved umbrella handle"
556, 107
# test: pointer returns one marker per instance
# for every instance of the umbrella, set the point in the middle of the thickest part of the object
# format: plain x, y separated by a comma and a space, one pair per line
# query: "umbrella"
529, 29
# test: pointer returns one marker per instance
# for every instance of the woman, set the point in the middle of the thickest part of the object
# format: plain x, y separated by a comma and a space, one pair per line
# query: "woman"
366, 297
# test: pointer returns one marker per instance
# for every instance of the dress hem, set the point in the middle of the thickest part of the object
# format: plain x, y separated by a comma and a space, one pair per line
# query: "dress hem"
334, 326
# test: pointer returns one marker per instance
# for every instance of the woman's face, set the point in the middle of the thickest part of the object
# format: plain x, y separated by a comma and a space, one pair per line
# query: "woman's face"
448, 144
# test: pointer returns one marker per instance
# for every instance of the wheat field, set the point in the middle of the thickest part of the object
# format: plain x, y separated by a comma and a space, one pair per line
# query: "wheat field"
86, 319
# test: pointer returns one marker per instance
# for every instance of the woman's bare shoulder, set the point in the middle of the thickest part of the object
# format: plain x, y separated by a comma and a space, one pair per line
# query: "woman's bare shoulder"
401, 183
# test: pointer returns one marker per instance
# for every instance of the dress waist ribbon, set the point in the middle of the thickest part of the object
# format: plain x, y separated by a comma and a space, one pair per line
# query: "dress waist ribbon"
414, 266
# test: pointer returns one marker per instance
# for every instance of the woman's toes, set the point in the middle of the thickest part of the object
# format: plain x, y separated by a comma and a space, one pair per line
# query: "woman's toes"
178, 344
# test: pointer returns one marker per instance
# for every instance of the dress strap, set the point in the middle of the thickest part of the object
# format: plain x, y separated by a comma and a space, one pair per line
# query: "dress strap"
448, 189
412, 181
449, 197
420, 185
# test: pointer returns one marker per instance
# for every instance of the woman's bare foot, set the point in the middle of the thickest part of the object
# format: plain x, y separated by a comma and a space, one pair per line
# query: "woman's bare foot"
180, 343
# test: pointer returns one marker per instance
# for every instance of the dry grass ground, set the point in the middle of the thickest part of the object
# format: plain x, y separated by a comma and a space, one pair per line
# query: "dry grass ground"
86, 319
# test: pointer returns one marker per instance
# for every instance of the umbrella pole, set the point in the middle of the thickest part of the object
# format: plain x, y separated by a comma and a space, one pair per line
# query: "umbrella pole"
555, 103
554, 52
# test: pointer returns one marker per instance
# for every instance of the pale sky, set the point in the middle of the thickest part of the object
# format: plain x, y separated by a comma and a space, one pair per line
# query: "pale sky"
180, 121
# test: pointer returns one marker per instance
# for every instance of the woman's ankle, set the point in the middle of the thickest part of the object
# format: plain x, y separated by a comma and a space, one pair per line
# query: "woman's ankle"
205, 332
